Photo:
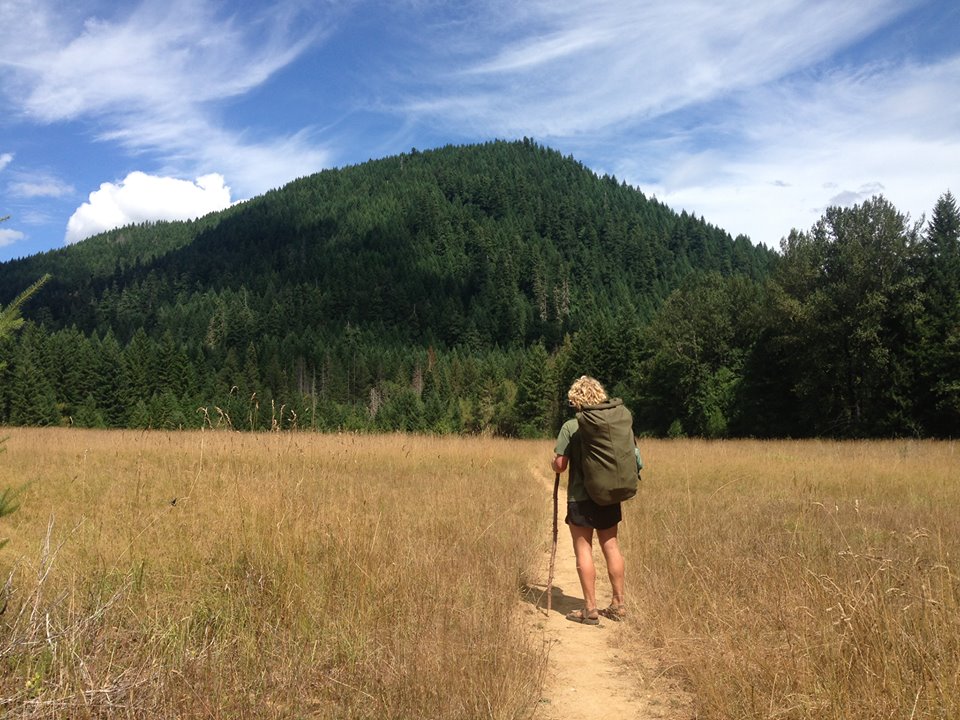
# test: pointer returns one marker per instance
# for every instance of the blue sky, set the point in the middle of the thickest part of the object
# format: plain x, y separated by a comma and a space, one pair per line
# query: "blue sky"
756, 115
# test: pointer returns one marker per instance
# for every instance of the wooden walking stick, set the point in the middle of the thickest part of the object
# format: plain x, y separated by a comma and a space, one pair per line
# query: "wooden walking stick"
553, 550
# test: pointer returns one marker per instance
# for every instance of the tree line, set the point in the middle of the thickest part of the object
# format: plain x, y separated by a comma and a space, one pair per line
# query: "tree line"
462, 289
856, 333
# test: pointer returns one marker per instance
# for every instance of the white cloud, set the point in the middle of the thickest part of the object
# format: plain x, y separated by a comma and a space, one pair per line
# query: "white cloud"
566, 68
141, 197
9, 237
177, 54
720, 107
736, 193
779, 155
153, 79
724, 109
40, 186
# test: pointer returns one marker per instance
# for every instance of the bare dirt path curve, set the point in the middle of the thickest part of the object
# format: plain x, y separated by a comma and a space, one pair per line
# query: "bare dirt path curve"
588, 671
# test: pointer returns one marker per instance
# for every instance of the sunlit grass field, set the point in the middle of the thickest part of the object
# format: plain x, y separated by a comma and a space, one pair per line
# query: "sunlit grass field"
803, 579
227, 575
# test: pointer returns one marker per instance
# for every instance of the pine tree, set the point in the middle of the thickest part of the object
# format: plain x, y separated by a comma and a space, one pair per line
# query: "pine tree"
87, 415
10, 321
139, 369
33, 399
488, 249
534, 393
10, 317
939, 353
108, 371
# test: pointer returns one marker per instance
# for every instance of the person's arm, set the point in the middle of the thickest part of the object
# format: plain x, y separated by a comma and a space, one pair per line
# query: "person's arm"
560, 450
559, 463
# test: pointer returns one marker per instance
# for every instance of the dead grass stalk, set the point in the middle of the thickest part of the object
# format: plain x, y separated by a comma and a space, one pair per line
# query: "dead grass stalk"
224, 575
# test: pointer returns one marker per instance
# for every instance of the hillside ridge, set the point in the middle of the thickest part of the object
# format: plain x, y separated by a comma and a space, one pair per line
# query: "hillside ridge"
446, 230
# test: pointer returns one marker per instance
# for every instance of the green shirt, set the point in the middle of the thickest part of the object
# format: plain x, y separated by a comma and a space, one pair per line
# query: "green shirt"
568, 445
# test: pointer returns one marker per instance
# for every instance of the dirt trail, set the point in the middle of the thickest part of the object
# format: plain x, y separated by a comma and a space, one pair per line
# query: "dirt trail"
588, 672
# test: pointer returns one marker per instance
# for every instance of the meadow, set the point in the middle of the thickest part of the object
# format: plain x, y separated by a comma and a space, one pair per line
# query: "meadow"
803, 579
279, 575
228, 575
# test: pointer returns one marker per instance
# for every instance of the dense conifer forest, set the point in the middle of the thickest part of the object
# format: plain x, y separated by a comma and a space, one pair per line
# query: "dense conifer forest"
462, 289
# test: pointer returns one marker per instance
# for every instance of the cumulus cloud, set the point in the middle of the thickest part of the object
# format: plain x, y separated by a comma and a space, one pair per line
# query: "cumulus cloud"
5, 159
9, 237
141, 197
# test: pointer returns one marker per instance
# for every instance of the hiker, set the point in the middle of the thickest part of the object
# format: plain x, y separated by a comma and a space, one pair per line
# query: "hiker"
584, 515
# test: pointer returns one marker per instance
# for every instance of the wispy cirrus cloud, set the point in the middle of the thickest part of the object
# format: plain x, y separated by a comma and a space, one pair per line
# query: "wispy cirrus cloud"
40, 185
566, 68
742, 112
9, 237
785, 152
162, 55
739, 112
154, 81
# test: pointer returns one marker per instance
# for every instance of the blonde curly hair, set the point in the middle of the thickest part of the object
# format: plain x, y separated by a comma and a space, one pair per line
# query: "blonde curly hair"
586, 391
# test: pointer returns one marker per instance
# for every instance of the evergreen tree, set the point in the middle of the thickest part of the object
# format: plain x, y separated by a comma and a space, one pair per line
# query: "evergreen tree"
10, 321
109, 383
139, 369
695, 350
139, 415
402, 409
312, 294
167, 412
849, 314
33, 398
172, 374
939, 352
11, 318
88, 415
534, 393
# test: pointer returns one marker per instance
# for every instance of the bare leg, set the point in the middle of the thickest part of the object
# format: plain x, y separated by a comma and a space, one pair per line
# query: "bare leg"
583, 549
614, 558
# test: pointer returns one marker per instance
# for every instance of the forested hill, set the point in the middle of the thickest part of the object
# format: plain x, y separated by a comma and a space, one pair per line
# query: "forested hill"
462, 289
499, 244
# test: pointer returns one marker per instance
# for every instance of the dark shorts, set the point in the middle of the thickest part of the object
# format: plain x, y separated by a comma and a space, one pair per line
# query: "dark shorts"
586, 513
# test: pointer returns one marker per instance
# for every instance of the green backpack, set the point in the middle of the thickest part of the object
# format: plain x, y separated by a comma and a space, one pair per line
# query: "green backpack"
608, 456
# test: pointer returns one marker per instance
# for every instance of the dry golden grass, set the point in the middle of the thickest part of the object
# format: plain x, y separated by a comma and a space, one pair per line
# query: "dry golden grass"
349, 576
233, 575
802, 579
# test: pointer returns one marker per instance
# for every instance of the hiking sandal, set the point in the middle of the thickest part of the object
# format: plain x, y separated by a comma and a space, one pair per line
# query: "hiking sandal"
584, 617
614, 612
